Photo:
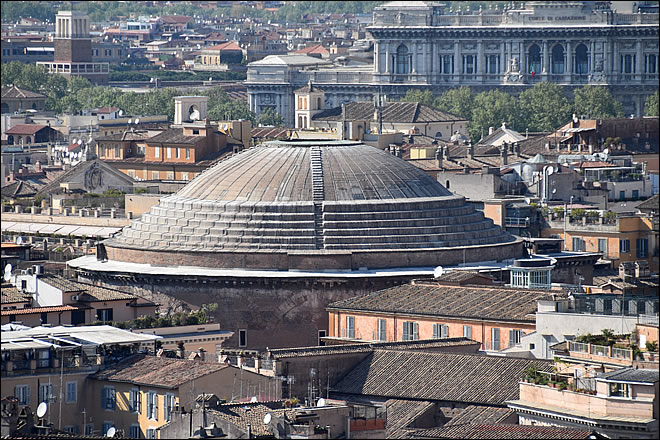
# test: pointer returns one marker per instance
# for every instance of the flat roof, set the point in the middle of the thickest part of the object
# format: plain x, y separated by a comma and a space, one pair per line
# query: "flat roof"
53, 228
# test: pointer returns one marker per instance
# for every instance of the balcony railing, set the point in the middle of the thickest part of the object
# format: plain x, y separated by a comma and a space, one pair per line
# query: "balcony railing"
517, 222
578, 346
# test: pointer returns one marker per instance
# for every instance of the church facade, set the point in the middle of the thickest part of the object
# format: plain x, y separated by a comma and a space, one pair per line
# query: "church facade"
417, 45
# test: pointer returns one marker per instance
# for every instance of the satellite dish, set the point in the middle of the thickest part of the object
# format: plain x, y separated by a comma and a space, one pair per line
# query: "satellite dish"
606, 151
80, 141
528, 200
438, 272
19, 240
41, 409
121, 112
321, 402
130, 121
254, 399
267, 418
554, 190
74, 141
137, 121
111, 432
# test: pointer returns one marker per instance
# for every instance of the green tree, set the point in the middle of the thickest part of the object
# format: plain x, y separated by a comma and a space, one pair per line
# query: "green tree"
269, 117
544, 107
11, 72
458, 102
651, 105
423, 97
56, 89
490, 110
596, 102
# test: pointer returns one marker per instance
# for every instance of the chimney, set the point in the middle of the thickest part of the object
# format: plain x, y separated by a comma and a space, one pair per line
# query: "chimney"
397, 152
504, 154
547, 146
202, 354
445, 152
591, 149
438, 156
490, 130
470, 151
516, 149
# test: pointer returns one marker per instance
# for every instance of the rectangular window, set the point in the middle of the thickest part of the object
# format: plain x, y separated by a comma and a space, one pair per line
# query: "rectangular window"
108, 398
134, 400
495, 338
155, 175
642, 248
515, 337
577, 244
410, 331
178, 153
117, 153
469, 64
184, 176
22, 393
493, 63
134, 431
447, 66
71, 392
635, 194
170, 175
73, 429
242, 338
622, 195
168, 406
602, 246
350, 327
440, 331
152, 405
89, 428
187, 153
467, 331
104, 315
157, 152
619, 389
322, 334
169, 153
45, 392
382, 330
624, 246
151, 433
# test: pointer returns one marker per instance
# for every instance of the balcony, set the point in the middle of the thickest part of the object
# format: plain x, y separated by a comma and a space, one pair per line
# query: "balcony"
517, 222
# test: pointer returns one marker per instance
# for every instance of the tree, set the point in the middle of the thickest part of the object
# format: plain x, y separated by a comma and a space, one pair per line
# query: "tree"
458, 102
544, 107
423, 97
490, 110
269, 117
651, 105
596, 102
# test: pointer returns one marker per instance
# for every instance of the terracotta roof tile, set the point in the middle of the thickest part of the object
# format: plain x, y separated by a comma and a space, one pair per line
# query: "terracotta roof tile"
154, 371
40, 310
92, 292
454, 377
25, 129
449, 301
14, 92
242, 414
11, 294
470, 431
402, 112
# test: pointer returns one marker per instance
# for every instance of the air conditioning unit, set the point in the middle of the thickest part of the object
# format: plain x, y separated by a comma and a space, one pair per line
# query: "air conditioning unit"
75, 297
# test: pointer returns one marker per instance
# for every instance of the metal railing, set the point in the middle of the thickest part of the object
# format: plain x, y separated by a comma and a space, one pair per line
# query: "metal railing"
517, 221
600, 350
622, 353
578, 347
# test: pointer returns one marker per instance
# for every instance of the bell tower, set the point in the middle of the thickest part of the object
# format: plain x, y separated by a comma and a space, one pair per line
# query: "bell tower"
309, 101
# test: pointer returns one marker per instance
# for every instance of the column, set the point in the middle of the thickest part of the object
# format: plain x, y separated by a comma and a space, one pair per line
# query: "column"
376, 57
524, 68
480, 61
569, 61
458, 67
388, 59
502, 65
592, 56
615, 61
639, 68
546, 61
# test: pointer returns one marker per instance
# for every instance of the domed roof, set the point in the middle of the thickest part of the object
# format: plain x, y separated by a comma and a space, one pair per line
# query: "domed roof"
286, 171
323, 202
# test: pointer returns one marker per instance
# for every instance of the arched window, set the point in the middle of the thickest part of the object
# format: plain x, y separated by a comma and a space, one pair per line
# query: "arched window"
402, 60
318, 103
300, 122
558, 64
447, 184
34, 106
10, 139
534, 59
438, 134
581, 60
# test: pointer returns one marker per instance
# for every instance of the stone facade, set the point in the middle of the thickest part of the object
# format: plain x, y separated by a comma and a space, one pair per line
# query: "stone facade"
417, 45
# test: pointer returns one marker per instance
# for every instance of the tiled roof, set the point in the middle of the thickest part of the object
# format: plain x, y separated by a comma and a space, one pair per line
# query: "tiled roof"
401, 413
14, 92
437, 376
19, 188
105, 110
270, 132
477, 414
92, 291
449, 301
368, 346
155, 371
317, 48
594, 164
230, 45
650, 204
25, 129
32, 310
397, 112
632, 375
175, 136
457, 276
11, 294
175, 19
485, 432
242, 414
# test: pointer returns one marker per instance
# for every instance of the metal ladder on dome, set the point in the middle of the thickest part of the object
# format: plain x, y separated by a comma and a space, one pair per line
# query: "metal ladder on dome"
318, 194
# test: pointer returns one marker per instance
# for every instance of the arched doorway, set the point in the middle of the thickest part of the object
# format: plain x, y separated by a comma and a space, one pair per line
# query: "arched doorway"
558, 63
581, 60
534, 59
402, 60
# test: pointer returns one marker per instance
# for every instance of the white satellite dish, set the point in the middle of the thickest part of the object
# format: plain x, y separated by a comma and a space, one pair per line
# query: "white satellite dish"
80, 141
321, 402
554, 190
550, 171
130, 121
438, 272
19, 240
111, 432
606, 151
137, 121
121, 112
267, 418
74, 141
253, 399
41, 409
8, 269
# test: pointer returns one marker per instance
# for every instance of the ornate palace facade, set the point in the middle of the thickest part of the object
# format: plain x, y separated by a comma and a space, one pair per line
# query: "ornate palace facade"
417, 45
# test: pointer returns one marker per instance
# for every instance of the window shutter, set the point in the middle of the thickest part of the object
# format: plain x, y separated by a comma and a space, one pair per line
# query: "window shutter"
416, 331
445, 330
435, 331
512, 337
155, 406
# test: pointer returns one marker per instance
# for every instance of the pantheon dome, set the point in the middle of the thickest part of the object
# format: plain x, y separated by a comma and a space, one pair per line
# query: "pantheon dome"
312, 205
